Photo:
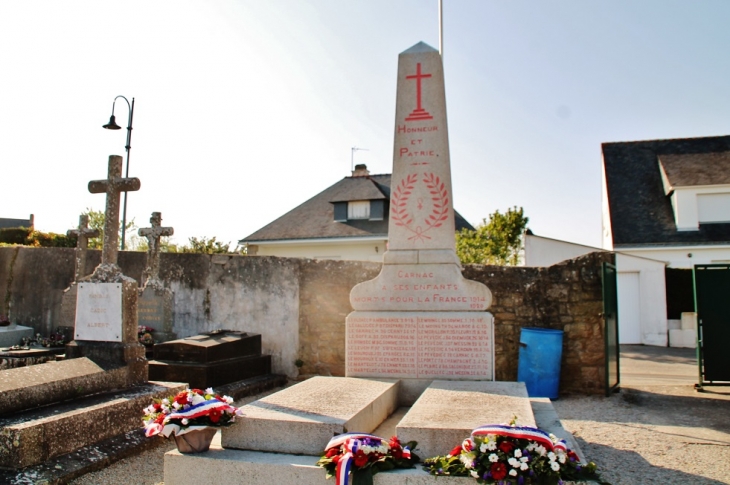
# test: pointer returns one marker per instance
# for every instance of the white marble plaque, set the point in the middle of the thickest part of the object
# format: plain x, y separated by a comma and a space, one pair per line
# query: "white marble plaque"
420, 345
99, 312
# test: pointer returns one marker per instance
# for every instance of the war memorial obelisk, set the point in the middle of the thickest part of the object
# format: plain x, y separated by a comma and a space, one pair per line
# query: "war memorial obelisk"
420, 318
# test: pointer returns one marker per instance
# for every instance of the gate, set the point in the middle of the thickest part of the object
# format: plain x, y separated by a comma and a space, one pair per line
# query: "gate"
712, 293
610, 317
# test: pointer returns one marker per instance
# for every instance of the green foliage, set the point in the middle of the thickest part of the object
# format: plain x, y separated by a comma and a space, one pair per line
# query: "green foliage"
97, 220
498, 241
27, 237
205, 245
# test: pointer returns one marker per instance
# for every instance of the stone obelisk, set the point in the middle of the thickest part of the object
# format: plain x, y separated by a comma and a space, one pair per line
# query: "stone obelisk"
419, 318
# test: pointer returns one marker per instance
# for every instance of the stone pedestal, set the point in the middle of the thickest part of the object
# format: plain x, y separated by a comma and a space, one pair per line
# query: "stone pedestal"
13, 334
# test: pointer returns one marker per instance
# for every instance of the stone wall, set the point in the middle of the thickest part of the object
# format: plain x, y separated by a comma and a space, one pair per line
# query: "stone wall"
299, 305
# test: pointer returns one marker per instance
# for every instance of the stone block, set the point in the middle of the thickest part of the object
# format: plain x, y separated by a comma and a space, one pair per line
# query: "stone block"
688, 321
211, 347
13, 334
32, 437
448, 411
213, 374
303, 418
420, 345
38, 385
683, 338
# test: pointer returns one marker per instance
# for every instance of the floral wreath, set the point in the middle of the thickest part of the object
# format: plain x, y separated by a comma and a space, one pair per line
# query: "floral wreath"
439, 197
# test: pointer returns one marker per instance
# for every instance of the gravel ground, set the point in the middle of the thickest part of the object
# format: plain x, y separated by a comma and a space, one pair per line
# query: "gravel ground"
657, 430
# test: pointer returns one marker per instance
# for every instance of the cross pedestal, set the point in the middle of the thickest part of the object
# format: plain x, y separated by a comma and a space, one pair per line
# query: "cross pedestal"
105, 328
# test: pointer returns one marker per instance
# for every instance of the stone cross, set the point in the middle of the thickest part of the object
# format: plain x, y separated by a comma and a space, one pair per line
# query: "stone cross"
153, 235
82, 234
113, 186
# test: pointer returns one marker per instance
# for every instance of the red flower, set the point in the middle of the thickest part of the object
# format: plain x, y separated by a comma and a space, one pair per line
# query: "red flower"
397, 453
499, 470
506, 446
336, 459
215, 415
455, 451
394, 442
332, 452
198, 392
159, 419
182, 398
573, 455
361, 459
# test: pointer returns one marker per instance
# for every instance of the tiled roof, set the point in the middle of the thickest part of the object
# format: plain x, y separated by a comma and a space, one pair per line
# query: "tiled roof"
641, 214
691, 169
6, 223
314, 219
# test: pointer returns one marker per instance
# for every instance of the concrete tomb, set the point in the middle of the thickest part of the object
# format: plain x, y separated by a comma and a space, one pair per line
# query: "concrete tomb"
12, 334
210, 359
155, 302
420, 319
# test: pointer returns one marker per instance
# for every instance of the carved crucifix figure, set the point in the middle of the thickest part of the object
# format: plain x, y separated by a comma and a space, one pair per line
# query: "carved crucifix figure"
153, 235
113, 186
83, 233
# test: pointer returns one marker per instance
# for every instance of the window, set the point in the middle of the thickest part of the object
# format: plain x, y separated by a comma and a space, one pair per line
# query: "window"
713, 207
359, 209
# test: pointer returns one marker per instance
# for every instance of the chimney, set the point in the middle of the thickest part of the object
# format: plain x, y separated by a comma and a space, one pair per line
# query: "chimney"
361, 170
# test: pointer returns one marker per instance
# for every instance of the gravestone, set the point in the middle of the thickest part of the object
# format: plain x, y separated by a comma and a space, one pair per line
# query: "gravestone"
419, 318
210, 359
105, 327
12, 334
155, 301
68, 300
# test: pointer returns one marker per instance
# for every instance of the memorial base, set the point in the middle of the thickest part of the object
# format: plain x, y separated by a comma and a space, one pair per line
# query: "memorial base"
420, 345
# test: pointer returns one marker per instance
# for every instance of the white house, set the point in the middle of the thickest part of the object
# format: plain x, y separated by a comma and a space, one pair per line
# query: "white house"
641, 287
348, 220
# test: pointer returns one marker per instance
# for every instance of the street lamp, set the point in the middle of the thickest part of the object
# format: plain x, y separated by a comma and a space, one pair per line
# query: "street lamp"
112, 125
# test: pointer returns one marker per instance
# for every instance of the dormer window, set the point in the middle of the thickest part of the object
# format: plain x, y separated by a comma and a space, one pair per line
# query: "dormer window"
358, 209
698, 185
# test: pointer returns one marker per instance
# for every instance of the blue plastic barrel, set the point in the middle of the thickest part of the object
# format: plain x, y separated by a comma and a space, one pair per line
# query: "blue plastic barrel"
539, 363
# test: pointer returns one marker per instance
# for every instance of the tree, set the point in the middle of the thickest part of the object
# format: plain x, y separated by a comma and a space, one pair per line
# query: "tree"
498, 241
206, 246
97, 220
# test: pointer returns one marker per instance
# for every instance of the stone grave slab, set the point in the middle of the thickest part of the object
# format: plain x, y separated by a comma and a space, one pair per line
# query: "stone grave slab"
420, 345
154, 310
13, 334
303, 418
209, 360
448, 411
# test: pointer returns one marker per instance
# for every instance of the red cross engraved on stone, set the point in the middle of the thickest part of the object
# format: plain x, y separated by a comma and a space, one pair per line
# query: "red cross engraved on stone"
419, 113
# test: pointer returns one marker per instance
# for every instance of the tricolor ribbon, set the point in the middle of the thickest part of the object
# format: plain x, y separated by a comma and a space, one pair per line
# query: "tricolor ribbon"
521, 432
201, 409
351, 442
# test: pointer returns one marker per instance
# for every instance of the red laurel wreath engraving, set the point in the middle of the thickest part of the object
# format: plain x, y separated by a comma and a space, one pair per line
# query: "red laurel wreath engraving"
439, 197
400, 198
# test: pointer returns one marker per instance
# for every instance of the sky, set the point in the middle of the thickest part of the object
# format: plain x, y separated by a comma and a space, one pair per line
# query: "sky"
244, 109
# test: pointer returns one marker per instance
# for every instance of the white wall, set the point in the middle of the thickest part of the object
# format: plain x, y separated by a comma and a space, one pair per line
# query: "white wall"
543, 251
652, 298
683, 256
700, 204
371, 250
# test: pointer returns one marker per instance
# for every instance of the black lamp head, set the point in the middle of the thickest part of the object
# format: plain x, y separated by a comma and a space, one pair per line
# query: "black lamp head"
112, 125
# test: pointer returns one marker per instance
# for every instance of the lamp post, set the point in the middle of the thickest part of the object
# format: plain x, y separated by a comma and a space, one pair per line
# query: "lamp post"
112, 125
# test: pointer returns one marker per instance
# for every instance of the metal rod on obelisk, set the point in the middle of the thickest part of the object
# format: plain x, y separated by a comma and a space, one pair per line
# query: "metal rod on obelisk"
441, 28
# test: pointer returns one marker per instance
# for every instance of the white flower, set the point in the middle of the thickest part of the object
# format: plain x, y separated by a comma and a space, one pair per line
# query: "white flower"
483, 448
185, 422
474, 474
551, 456
513, 462
493, 458
554, 465
468, 459
524, 459
176, 405
513, 473
561, 457
210, 391
492, 445
524, 466
518, 453
228, 399
541, 449
165, 402
197, 399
